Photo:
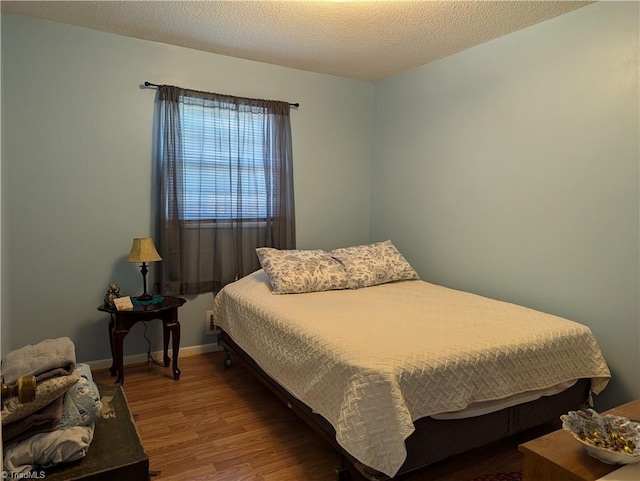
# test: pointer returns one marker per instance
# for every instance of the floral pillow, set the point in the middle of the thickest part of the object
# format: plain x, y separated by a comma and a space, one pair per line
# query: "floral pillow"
369, 265
299, 271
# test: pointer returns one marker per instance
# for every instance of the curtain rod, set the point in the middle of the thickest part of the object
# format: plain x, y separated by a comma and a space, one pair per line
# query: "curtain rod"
149, 84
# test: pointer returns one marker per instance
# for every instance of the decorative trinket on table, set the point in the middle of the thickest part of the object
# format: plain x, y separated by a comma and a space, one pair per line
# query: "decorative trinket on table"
611, 439
112, 293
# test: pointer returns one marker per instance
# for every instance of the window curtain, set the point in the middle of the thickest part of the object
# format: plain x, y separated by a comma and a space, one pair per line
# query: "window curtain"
226, 187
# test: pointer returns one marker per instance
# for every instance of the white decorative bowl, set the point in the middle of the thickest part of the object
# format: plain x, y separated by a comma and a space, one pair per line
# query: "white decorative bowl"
611, 439
609, 456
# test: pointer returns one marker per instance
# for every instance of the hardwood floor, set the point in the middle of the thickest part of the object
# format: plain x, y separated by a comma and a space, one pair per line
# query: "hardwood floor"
223, 425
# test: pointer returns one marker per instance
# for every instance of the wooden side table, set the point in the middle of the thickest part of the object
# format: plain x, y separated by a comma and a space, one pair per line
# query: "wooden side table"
559, 457
122, 321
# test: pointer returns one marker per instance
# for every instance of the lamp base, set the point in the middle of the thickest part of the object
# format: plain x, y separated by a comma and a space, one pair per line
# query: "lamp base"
145, 296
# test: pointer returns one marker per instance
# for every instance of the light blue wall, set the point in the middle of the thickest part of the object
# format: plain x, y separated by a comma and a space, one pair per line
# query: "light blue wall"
77, 165
512, 170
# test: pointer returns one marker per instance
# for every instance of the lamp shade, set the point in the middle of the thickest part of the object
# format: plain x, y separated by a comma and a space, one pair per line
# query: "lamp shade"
143, 250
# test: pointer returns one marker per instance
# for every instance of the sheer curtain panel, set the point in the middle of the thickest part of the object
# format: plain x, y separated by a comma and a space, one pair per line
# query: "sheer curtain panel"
226, 187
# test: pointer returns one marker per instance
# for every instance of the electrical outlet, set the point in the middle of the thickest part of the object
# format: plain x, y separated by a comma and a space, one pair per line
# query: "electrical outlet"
210, 325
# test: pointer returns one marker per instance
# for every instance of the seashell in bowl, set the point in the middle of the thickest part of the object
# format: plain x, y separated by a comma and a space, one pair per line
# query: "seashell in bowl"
611, 439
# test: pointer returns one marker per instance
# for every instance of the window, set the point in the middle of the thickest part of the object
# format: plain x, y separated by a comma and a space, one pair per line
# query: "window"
224, 162
226, 187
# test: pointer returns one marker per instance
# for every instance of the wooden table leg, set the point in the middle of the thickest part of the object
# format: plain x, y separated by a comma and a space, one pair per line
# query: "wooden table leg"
165, 339
175, 337
113, 369
118, 338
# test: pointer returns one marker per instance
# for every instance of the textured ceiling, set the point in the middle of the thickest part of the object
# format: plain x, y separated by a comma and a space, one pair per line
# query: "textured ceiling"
366, 40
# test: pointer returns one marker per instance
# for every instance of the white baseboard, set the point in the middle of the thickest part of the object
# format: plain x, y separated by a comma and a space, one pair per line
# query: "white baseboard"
142, 358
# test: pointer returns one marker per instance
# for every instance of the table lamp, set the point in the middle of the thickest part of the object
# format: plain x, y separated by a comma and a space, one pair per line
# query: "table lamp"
143, 250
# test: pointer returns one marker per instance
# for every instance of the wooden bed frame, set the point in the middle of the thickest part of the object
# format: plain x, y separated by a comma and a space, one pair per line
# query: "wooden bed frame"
433, 440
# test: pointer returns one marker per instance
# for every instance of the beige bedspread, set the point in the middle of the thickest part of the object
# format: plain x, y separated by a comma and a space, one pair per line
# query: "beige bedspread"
373, 360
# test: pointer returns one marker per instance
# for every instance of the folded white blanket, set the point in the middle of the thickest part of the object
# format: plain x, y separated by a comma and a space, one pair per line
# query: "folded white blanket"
46, 449
49, 358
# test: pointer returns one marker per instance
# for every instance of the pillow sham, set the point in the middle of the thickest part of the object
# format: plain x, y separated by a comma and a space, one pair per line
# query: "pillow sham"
300, 271
372, 264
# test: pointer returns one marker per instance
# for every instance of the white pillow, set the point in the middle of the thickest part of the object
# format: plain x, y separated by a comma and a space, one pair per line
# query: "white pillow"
299, 271
378, 263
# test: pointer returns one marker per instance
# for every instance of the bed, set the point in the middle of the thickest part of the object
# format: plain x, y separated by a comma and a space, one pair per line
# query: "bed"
396, 372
